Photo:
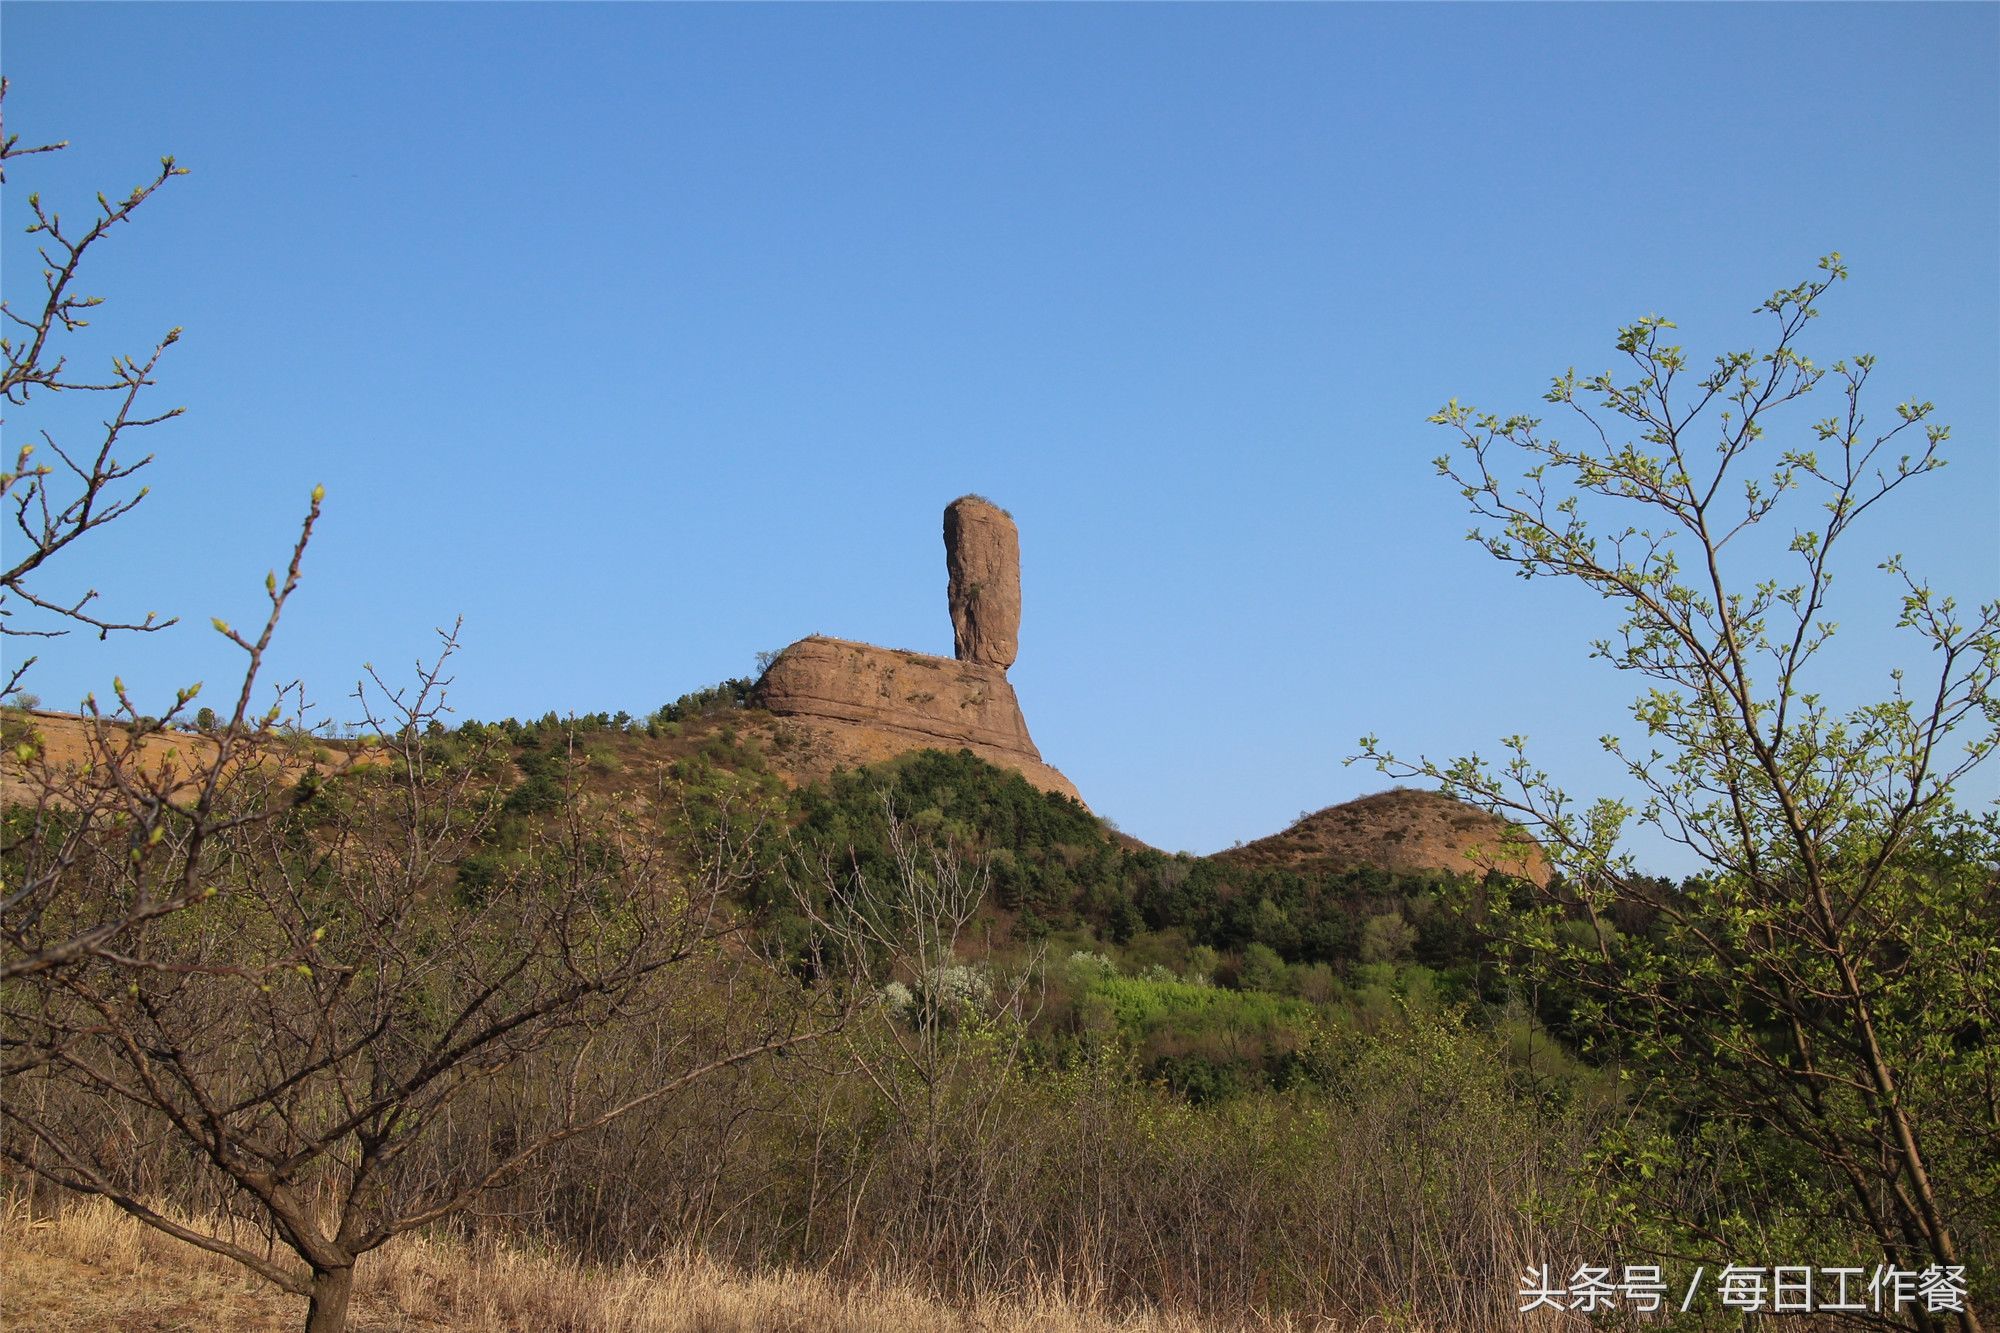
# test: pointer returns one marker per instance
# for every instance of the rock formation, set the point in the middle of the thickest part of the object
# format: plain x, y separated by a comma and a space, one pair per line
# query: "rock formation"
982, 554
860, 704
854, 703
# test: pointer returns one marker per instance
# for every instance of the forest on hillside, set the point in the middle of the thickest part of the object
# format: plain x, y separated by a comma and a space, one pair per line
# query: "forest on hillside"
921, 1020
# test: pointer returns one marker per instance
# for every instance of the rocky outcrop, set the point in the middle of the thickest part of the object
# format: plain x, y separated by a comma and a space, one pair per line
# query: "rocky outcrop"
982, 554
933, 698
1406, 830
854, 703
846, 704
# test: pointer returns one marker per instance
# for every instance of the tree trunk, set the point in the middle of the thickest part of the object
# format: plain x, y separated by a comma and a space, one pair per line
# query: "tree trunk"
330, 1290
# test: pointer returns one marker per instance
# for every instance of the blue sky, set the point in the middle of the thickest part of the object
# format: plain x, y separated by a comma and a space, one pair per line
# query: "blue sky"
649, 337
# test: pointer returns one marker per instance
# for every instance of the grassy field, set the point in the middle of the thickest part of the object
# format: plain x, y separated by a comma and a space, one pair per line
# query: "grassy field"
92, 1268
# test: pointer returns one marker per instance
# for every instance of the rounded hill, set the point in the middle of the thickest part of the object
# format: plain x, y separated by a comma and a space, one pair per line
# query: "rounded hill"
1405, 830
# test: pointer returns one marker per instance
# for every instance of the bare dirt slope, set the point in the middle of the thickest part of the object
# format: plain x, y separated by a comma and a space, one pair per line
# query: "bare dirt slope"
1405, 830
66, 749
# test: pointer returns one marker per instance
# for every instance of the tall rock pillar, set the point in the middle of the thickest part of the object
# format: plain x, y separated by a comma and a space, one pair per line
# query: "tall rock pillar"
982, 553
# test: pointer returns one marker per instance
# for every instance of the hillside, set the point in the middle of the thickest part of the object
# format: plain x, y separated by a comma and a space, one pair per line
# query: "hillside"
65, 747
1404, 831
1211, 967
1206, 1045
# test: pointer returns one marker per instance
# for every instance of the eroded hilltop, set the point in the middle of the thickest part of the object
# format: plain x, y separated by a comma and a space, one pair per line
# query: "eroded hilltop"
1404, 831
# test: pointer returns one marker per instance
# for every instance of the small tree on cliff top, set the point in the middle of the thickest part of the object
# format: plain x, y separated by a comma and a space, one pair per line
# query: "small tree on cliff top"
1825, 997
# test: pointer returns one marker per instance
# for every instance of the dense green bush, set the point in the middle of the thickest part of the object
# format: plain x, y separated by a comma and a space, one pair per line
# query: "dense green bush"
719, 698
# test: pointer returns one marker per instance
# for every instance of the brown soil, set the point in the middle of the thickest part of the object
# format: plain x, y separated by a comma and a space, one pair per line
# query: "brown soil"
66, 747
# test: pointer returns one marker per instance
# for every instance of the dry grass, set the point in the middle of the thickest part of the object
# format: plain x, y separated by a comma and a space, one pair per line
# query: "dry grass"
91, 1268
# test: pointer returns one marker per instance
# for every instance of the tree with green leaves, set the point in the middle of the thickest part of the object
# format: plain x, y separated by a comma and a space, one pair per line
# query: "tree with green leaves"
1816, 1015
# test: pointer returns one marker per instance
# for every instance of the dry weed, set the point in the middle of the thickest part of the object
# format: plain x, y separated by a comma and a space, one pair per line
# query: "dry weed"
90, 1267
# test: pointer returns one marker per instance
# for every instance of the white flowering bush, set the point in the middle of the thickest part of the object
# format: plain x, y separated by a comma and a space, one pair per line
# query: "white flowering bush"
897, 998
959, 984
1085, 967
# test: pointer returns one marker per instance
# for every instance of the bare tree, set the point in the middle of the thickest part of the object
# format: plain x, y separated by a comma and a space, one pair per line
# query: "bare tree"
50, 506
338, 993
924, 1043
122, 783
65, 896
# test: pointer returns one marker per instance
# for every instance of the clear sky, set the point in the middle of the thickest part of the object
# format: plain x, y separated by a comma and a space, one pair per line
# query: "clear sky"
649, 337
